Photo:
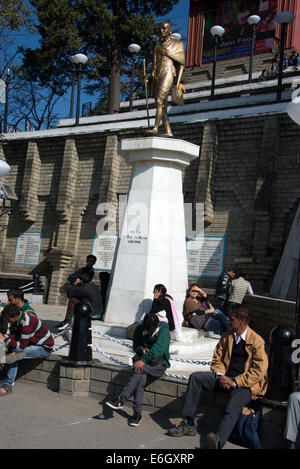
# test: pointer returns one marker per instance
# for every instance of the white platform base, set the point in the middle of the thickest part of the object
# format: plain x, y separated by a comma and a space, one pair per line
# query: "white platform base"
195, 347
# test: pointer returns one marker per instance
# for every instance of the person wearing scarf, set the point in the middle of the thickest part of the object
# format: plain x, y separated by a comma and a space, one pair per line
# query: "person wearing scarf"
164, 307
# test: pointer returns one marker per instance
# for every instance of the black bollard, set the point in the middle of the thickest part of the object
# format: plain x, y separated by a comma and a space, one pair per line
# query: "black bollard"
80, 354
36, 283
280, 365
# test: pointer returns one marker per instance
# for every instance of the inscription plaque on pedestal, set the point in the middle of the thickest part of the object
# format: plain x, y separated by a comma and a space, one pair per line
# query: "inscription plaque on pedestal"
205, 256
28, 247
104, 249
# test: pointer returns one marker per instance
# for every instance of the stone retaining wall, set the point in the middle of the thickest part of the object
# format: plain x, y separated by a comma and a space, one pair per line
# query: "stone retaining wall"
267, 313
246, 176
166, 394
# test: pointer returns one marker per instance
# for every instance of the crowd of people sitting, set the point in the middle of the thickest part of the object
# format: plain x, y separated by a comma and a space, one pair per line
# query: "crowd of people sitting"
239, 364
289, 63
25, 336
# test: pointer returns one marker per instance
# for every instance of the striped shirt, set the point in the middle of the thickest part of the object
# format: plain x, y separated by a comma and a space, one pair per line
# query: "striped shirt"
240, 287
29, 330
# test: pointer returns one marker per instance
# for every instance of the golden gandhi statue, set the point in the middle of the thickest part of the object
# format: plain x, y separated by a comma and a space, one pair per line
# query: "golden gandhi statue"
168, 67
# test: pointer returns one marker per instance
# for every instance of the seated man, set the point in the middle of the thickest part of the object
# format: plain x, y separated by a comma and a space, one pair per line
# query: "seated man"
83, 290
239, 368
31, 339
3, 325
151, 342
292, 427
88, 269
16, 297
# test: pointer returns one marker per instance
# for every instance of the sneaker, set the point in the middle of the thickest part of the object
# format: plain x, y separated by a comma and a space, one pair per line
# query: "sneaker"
135, 420
116, 403
63, 325
183, 429
212, 441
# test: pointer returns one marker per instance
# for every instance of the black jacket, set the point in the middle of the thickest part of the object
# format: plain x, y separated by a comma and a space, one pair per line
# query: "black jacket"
3, 325
83, 270
162, 304
89, 293
224, 286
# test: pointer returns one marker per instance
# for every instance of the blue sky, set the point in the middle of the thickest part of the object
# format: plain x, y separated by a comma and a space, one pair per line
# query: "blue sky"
178, 17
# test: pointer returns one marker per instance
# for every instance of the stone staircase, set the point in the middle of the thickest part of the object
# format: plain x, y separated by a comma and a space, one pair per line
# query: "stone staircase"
227, 68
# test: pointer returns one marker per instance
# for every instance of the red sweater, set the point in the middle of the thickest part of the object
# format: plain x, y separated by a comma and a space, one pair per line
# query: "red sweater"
29, 330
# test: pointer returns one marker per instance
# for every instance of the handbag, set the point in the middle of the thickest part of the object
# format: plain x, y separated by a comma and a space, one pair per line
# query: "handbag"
245, 433
208, 319
130, 330
177, 96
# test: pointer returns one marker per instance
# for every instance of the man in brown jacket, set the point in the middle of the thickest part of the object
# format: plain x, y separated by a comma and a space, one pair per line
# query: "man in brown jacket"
239, 368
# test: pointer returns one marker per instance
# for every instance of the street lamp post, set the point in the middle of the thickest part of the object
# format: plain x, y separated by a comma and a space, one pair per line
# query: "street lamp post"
217, 32
284, 18
79, 60
133, 49
72, 90
7, 82
253, 20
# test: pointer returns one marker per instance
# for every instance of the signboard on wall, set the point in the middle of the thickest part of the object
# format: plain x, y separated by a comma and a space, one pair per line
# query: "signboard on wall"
205, 256
104, 246
236, 41
28, 247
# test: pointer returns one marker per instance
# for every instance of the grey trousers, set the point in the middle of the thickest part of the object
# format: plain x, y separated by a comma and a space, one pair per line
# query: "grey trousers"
239, 397
292, 427
137, 383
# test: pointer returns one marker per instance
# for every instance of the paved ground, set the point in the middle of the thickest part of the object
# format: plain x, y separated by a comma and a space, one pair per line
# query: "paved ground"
37, 418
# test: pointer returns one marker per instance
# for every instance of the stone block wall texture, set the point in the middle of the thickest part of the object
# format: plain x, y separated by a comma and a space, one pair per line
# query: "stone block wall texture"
247, 176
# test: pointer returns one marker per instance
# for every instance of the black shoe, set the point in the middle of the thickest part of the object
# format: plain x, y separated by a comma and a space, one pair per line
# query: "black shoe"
63, 325
212, 441
135, 420
116, 403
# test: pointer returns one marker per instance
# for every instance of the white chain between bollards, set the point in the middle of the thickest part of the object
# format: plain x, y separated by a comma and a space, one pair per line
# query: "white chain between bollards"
118, 362
125, 344
121, 342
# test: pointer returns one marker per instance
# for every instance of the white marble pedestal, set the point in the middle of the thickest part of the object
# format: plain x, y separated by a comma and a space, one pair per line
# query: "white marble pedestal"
152, 244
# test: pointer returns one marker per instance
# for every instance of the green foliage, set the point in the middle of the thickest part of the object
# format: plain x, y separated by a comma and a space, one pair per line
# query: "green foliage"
14, 14
100, 29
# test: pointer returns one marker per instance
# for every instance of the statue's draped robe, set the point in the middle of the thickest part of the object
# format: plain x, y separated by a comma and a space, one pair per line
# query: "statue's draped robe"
168, 57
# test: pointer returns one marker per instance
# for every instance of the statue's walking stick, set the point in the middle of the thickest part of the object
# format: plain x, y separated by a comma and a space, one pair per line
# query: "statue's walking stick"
146, 91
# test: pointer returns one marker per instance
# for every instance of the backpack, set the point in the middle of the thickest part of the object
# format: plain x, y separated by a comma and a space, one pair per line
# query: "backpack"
245, 433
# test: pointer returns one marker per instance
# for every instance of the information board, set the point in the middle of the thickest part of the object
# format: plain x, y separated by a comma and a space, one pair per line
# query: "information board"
205, 256
28, 247
104, 249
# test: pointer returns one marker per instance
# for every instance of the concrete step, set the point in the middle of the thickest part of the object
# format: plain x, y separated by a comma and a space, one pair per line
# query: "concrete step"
196, 347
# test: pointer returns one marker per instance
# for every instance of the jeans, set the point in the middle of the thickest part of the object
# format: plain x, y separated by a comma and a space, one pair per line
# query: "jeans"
223, 305
219, 323
32, 351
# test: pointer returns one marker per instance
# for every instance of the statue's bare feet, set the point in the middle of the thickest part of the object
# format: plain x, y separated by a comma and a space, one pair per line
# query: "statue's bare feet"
153, 131
169, 133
